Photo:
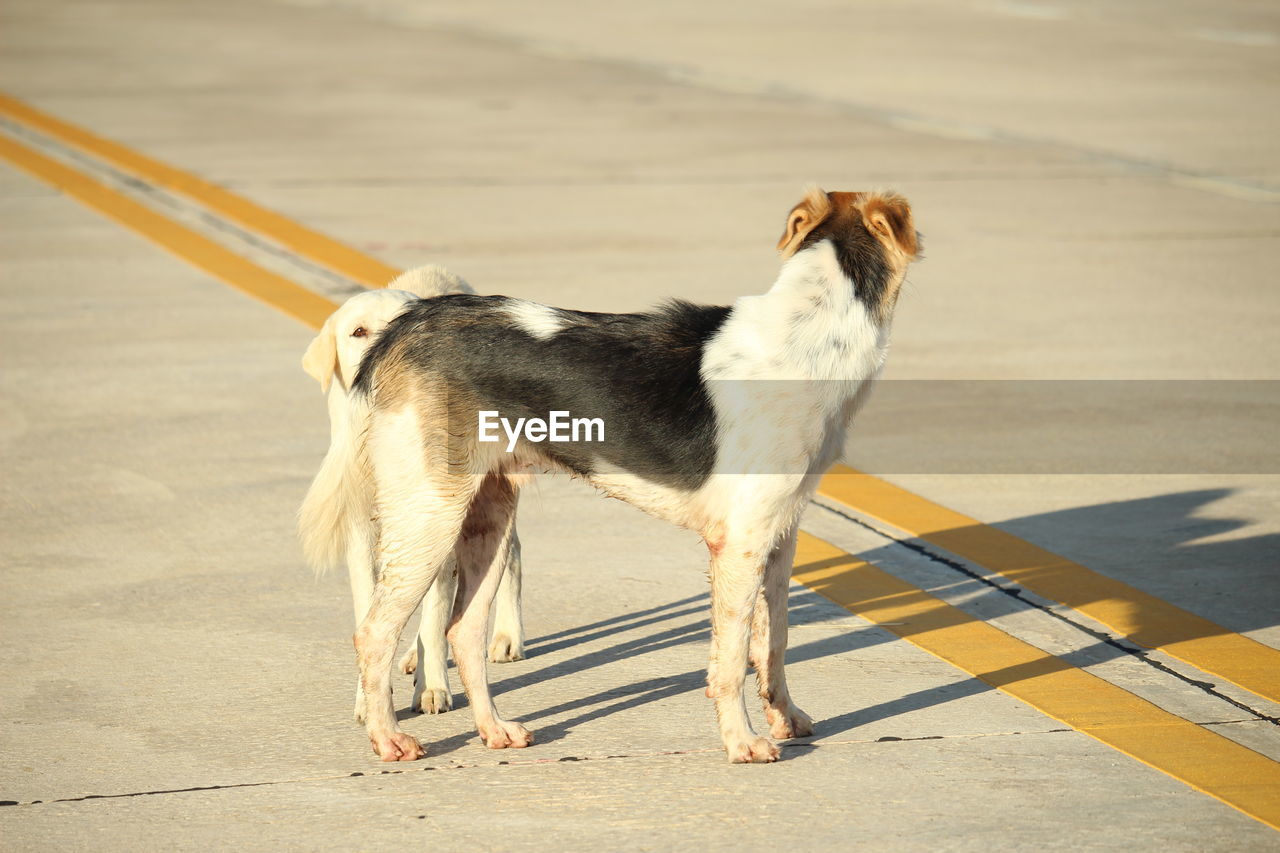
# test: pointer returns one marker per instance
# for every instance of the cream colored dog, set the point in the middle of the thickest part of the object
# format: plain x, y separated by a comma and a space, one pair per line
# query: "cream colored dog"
333, 359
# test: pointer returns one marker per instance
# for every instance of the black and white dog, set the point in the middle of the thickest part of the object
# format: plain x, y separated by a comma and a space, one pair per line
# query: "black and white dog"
720, 420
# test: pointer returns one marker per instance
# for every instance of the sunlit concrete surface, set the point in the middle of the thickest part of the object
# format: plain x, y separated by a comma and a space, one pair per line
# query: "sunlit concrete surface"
1097, 192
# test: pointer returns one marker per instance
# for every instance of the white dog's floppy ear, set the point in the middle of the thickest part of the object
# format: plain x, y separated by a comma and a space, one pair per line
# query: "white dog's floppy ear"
321, 358
802, 219
428, 281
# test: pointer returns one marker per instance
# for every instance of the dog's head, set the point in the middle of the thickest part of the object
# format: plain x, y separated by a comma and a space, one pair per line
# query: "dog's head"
872, 233
350, 330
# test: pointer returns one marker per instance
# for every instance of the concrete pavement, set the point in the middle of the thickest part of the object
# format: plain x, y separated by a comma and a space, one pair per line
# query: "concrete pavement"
161, 633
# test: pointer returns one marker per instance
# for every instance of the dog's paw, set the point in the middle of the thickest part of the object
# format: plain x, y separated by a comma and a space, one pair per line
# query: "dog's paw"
503, 735
409, 663
396, 746
433, 701
759, 750
791, 723
505, 649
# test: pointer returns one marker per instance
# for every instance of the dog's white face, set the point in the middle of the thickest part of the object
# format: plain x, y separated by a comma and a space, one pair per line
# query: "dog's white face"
348, 332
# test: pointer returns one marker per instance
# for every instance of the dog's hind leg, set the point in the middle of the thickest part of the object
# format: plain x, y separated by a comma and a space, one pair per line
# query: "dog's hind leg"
410, 559
769, 645
482, 552
431, 676
737, 566
422, 499
508, 623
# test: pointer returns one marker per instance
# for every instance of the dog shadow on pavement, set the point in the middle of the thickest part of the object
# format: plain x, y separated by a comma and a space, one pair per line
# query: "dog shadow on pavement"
1168, 530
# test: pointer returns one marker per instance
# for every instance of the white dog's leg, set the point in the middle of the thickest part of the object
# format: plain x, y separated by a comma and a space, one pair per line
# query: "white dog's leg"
769, 645
409, 562
508, 623
737, 567
481, 551
431, 693
410, 557
360, 570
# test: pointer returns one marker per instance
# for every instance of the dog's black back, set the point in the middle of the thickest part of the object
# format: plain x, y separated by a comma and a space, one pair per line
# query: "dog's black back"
639, 373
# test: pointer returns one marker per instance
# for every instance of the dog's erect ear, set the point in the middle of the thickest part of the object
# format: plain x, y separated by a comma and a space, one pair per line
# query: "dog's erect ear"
888, 216
802, 219
321, 358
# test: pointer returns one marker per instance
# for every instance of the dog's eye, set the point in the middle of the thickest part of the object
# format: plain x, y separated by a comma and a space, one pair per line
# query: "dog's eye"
359, 333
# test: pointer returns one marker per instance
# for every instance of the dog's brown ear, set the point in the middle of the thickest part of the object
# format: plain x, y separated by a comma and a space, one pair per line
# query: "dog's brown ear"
321, 358
888, 216
802, 219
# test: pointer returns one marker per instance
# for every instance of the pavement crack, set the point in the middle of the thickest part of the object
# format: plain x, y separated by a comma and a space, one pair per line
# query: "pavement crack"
736, 85
518, 762
130, 794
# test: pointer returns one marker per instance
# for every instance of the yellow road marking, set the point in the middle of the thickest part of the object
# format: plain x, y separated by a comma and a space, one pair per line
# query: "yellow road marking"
1143, 618
1208, 762
223, 264
324, 250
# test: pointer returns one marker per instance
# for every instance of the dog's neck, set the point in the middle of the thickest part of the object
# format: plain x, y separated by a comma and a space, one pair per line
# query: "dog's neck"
810, 325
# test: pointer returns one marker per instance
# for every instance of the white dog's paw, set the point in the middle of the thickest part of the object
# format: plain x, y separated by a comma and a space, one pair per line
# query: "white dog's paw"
433, 701
396, 746
505, 649
749, 750
409, 663
788, 724
504, 735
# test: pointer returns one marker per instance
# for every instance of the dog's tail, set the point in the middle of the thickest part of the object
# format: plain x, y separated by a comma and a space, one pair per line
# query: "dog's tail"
430, 280
337, 513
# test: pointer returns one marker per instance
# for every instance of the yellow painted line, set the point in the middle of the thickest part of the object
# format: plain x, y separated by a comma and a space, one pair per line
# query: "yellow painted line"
250, 278
1142, 618
1208, 762
310, 244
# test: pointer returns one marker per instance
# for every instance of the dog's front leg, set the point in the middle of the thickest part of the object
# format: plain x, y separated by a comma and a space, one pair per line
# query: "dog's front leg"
769, 645
508, 623
737, 569
482, 550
